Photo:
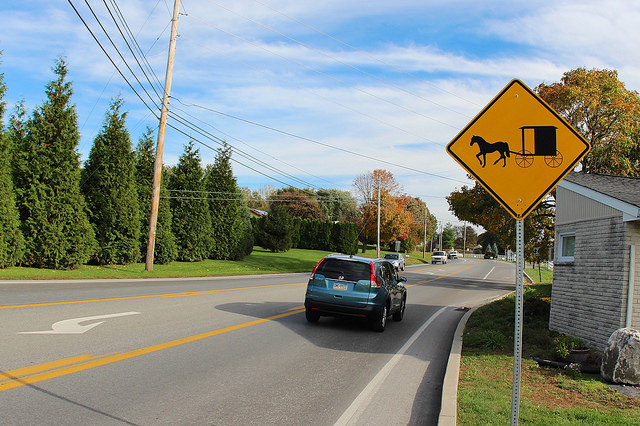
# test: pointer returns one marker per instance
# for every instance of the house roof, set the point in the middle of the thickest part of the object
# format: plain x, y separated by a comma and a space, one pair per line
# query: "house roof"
619, 192
258, 213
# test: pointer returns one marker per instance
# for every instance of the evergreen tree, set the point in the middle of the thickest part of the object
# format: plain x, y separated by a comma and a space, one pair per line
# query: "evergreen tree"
165, 249
246, 240
225, 205
344, 238
191, 218
11, 240
18, 123
277, 229
52, 209
110, 191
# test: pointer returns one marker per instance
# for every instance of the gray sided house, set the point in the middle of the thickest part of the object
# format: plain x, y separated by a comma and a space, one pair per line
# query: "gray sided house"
596, 279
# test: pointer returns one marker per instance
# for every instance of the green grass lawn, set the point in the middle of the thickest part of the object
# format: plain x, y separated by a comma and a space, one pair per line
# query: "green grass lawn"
542, 275
260, 261
548, 396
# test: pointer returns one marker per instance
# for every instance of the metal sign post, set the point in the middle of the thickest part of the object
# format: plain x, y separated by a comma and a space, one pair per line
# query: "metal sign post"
517, 339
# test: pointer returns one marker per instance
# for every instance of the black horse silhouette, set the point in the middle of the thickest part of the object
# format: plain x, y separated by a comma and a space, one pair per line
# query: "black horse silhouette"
486, 148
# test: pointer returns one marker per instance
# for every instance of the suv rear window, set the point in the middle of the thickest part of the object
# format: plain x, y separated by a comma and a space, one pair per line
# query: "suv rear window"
345, 270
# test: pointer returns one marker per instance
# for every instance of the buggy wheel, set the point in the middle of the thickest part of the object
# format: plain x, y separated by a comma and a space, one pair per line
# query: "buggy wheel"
553, 160
524, 159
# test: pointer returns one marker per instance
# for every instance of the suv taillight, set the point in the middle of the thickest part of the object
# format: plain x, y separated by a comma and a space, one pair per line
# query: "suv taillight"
316, 267
373, 278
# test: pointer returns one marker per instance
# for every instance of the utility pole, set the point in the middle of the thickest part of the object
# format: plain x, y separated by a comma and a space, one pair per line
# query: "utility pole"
424, 244
157, 167
464, 239
378, 242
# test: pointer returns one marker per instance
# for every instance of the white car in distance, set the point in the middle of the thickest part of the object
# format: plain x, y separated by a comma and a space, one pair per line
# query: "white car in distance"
439, 256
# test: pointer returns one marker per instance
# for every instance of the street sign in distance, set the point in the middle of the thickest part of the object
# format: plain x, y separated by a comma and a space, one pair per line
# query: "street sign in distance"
518, 148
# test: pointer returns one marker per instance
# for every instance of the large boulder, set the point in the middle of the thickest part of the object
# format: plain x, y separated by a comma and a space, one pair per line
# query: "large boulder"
621, 361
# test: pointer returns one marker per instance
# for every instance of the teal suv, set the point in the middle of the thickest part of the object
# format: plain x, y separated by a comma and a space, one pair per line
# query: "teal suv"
343, 285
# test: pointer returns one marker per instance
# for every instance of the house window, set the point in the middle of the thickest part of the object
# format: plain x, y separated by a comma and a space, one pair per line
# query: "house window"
567, 247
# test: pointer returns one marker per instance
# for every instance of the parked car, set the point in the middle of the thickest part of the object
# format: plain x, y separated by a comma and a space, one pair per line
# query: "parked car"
354, 286
396, 259
452, 254
439, 256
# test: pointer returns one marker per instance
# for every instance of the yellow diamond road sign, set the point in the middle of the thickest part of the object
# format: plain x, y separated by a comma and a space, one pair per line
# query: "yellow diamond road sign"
518, 148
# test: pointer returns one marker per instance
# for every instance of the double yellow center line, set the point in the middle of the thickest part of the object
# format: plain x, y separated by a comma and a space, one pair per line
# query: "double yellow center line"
37, 373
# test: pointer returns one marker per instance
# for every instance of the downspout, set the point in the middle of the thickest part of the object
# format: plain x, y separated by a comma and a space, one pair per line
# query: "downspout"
630, 287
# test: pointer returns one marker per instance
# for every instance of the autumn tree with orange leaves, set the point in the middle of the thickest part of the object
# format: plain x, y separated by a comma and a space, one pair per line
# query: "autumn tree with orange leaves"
395, 217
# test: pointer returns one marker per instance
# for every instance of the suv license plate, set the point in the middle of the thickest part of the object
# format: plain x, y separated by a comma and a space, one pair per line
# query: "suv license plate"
339, 286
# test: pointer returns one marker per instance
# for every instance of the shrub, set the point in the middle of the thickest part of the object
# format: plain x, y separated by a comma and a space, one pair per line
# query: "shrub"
488, 339
276, 230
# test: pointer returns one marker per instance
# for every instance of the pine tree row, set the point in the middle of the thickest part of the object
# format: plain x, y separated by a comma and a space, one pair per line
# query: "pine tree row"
279, 232
56, 214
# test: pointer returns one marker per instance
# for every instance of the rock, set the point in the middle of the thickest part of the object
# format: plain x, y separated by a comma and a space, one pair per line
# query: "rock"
621, 360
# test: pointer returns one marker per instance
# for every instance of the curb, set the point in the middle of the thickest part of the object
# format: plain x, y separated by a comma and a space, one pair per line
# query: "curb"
449, 403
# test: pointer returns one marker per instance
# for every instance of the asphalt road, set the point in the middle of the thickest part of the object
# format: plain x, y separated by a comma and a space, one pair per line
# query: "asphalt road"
228, 351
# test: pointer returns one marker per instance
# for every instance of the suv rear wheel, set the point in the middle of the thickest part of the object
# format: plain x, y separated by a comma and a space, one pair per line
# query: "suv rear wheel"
312, 316
379, 323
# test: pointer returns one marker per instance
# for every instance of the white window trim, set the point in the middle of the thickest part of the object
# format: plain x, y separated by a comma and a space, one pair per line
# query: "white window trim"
561, 237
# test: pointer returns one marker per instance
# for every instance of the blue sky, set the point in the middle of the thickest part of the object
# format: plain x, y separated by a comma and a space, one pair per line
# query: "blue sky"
393, 81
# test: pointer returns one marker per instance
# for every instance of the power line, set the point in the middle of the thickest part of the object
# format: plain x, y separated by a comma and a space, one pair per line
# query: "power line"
316, 142
221, 142
135, 43
129, 46
246, 144
118, 51
233, 159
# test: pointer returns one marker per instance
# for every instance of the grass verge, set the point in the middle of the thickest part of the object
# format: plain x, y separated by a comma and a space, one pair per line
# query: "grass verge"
548, 396
260, 261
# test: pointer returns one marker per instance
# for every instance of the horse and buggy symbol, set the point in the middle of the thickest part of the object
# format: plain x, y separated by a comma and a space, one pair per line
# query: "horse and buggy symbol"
541, 138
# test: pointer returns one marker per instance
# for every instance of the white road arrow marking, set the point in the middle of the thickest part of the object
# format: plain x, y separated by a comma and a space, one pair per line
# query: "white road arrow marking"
73, 326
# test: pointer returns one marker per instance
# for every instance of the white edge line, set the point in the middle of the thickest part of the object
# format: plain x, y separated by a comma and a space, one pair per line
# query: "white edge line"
488, 273
358, 406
